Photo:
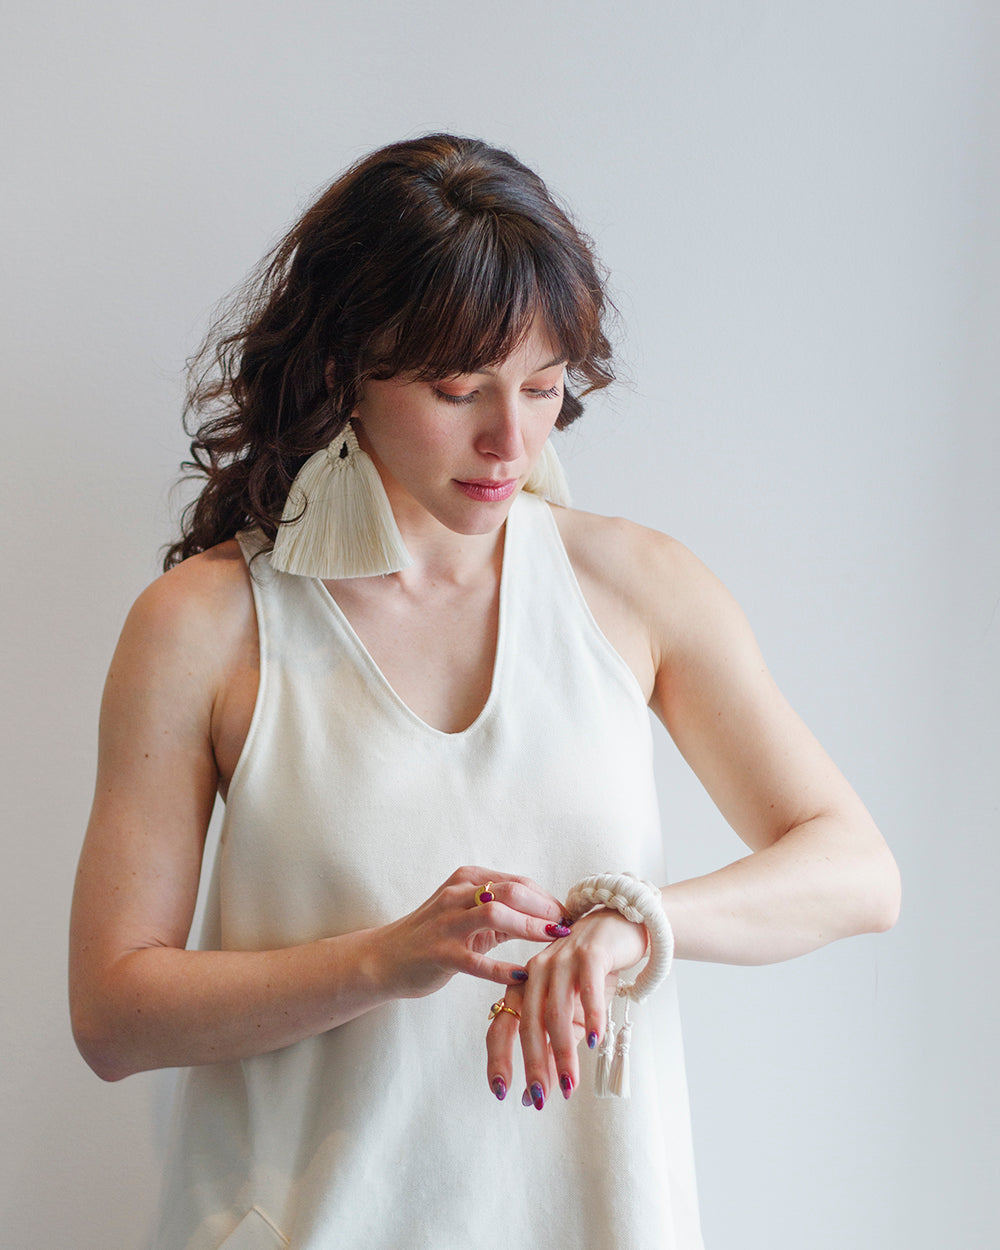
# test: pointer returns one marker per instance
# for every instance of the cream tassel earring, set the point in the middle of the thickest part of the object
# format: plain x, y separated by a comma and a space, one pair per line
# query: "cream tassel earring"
548, 479
346, 527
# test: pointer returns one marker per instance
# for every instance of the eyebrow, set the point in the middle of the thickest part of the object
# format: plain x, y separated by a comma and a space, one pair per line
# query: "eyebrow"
549, 364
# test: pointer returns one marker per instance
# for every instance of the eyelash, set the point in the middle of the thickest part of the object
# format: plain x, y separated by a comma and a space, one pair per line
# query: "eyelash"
552, 393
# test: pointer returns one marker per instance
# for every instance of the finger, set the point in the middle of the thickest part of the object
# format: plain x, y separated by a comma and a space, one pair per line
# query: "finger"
594, 1004
500, 1038
540, 1078
488, 969
498, 918
526, 898
538, 1091
564, 1026
520, 892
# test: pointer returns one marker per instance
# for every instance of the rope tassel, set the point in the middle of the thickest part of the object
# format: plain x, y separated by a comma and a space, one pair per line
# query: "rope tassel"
602, 1078
619, 1083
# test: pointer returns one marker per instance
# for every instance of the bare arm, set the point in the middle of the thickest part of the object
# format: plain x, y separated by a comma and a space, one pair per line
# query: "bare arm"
139, 999
818, 870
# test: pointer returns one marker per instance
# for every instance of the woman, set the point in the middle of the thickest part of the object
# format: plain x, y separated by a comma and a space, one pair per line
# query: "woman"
410, 669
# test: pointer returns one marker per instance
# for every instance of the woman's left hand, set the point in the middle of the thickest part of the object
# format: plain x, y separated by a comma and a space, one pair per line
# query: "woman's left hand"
564, 1000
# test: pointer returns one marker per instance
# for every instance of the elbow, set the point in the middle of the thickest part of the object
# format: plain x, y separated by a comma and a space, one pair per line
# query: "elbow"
884, 895
99, 1043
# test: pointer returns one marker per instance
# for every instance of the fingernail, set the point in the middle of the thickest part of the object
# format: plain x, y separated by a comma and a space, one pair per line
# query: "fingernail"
566, 1084
499, 1088
557, 930
519, 974
567, 922
591, 1039
525, 1099
537, 1096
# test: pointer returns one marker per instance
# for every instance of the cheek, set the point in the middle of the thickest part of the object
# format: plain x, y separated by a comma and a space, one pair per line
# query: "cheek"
536, 432
417, 444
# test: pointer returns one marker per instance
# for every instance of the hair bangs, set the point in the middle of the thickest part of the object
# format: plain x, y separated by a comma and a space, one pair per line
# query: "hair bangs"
477, 297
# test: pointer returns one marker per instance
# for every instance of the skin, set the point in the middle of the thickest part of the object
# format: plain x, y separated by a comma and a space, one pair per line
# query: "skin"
177, 707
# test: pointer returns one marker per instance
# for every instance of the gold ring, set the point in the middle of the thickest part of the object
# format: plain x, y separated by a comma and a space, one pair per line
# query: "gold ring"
502, 1006
485, 894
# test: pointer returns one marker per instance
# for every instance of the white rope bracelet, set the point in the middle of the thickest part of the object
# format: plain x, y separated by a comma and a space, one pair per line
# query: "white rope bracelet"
639, 902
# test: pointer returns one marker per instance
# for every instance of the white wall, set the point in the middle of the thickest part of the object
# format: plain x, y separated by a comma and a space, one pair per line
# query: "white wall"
798, 202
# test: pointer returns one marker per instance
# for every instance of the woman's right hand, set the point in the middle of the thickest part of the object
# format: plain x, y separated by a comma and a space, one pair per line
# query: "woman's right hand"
452, 932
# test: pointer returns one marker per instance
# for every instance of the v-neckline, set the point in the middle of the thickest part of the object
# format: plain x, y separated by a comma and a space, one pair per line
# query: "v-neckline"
382, 682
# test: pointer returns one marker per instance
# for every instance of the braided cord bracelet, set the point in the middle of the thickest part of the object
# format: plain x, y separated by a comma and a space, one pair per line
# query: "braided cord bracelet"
639, 902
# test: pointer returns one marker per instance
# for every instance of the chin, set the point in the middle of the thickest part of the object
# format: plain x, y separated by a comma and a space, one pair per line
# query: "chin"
480, 519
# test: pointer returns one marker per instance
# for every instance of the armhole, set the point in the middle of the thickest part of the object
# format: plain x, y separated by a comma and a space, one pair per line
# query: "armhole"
600, 638
258, 572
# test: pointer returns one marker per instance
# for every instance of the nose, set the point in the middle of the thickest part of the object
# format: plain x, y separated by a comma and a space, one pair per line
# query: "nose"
500, 435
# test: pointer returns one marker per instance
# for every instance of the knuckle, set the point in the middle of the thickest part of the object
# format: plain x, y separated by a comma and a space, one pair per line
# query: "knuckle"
491, 913
455, 895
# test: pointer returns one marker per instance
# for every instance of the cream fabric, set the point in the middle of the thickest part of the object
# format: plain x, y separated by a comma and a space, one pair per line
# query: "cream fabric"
346, 811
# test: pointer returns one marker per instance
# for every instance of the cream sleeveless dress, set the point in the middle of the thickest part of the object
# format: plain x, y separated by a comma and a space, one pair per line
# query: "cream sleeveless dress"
346, 811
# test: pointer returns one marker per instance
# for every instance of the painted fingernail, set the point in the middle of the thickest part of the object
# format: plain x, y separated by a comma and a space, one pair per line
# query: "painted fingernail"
557, 930
499, 1088
519, 974
566, 1084
567, 922
537, 1096
591, 1039
525, 1099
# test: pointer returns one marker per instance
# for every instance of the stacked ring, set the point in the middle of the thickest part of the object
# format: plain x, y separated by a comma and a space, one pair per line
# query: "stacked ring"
485, 894
502, 1006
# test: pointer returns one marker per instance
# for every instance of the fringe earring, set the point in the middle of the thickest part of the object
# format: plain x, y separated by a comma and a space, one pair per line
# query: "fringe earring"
548, 479
345, 525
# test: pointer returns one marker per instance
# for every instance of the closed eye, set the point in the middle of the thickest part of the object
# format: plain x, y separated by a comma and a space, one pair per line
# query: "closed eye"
553, 392
456, 399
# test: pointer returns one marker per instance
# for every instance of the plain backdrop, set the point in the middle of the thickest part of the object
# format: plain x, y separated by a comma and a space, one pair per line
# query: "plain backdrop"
798, 204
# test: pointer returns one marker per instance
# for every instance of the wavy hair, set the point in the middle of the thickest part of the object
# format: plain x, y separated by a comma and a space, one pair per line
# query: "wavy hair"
430, 258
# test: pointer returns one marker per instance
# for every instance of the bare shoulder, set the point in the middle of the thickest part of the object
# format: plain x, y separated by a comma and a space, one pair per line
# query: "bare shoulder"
612, 548
185, 637
201, 607
641, 586
214, 584
654, 578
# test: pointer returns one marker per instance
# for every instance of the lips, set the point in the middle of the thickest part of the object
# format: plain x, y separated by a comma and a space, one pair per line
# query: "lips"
489, 490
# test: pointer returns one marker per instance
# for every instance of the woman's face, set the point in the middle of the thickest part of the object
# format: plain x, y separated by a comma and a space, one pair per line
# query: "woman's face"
459, 449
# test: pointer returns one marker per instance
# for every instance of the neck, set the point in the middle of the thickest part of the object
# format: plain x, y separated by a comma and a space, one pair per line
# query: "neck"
442, 556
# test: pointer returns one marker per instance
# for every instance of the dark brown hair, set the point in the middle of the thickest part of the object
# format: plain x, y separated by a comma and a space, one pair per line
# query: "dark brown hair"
429, 257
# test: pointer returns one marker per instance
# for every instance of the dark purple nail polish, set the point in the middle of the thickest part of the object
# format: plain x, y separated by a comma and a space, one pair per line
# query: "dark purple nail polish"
520, 975
499, 1088
566, 922
557, 930
537, 1096
525, 1099
591, 1039
566, 1084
